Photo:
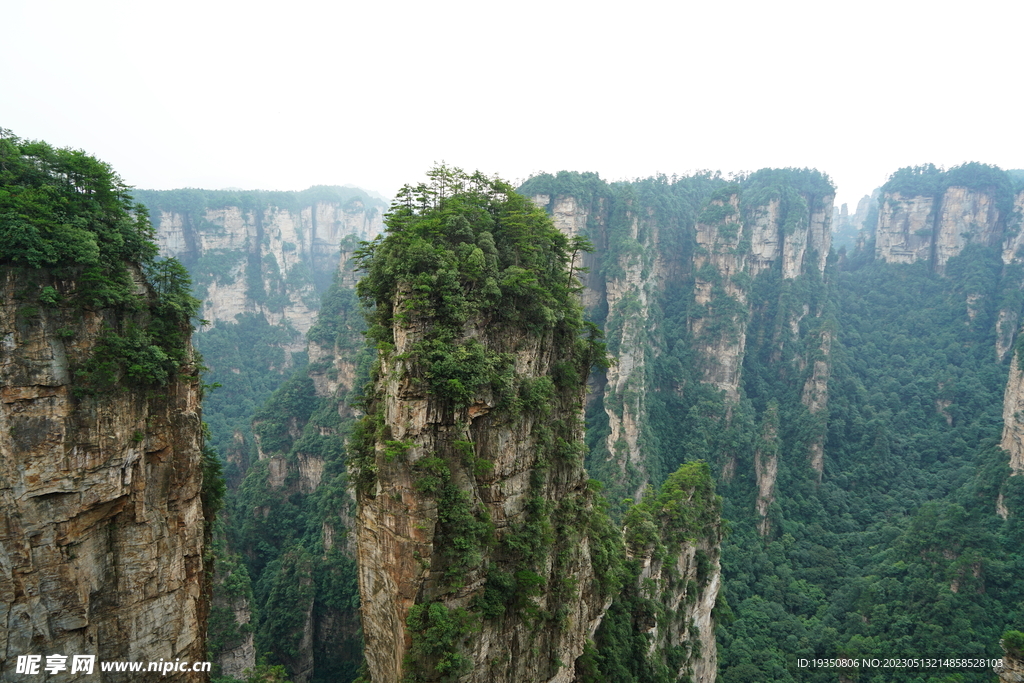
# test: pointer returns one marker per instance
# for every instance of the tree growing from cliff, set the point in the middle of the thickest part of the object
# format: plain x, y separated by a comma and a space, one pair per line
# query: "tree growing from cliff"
70, 213
471, 302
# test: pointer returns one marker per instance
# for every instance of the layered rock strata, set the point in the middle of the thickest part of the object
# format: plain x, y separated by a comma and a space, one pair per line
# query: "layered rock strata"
101, 516
625, 292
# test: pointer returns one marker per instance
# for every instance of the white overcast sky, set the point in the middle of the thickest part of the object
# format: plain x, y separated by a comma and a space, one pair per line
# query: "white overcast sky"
287, 95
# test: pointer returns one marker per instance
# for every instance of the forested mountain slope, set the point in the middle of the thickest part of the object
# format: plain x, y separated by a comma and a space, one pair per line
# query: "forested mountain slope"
851, 408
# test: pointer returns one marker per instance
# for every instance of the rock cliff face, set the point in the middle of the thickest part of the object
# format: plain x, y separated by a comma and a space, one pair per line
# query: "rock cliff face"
1011, 669
475, 526
405, 536
1013, 411
624, 292
101, 518
679, 574
741, 236
718, 297
270, 254
934, 229
710, 243
1013, 426
1013, 271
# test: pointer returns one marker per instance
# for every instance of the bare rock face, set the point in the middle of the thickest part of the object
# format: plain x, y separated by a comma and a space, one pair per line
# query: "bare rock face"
1012, 668
1013, 425
766, 467
716, 262
724, 265
1013, 408
905, 229
232, 248
1013, 262
935, 229
626, 291
101, 517
815, 396
437, 469
965, 216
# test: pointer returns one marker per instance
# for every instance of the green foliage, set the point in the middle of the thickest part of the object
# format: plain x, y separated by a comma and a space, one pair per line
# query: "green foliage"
467, 247
61, 208
65, 211
686, 509
584, 187
437, 633
1013, 643
931, 181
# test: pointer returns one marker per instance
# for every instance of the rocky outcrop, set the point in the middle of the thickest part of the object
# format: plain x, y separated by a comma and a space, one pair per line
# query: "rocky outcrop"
1013, 425
475, 523
906, 226
848, 229
625, 291
1013, 417
1011, 669
766, 466
720, 300
101, 515
271, 254
736, 242
679, 573
815, 397
934, 229
571, 216
1013, 273
965, 216
484, 465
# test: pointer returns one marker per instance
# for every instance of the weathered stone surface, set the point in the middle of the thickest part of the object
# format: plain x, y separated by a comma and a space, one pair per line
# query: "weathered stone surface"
965, 216
1012, 669
400, 531
101, 519
293, 244
905, 229
1013, 426
935, 229
1013, 417
689, 599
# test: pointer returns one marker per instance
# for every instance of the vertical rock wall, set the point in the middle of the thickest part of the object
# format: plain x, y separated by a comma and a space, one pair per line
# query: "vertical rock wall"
101, 518
679, 574
480, 546
934, 229
282, 250
494, 461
